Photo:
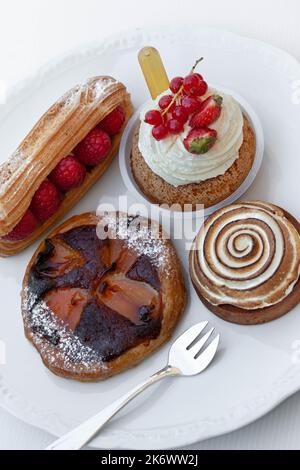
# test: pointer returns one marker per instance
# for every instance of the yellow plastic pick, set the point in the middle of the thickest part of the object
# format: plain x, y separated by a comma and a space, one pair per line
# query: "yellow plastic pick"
153, 70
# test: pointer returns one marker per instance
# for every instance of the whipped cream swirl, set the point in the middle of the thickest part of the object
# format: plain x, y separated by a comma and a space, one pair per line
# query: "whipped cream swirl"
246, 255
169, 158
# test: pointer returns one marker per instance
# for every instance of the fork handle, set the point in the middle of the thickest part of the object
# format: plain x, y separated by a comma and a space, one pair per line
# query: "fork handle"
76, 439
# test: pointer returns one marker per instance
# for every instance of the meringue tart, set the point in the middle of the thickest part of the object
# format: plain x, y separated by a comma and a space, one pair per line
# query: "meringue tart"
245, 262
95, 305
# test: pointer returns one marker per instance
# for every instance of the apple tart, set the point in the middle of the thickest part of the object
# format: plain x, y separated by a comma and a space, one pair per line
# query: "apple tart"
100, 294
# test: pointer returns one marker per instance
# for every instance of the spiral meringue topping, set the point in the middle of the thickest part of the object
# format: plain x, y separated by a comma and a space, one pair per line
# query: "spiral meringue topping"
246, 255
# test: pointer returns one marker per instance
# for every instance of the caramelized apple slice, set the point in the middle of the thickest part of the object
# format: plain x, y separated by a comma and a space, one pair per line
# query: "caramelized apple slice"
63, 259
67, 304
134, 300
110, 251
115, 254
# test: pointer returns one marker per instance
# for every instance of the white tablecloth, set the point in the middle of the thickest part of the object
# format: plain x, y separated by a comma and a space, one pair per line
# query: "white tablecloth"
34, 31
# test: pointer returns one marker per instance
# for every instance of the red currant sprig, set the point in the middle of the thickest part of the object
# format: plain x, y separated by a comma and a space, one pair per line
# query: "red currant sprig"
184, 101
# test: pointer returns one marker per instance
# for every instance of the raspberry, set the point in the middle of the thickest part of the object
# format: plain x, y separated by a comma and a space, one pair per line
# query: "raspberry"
45, 201
114, 121
68, 174
93, 148
24, 228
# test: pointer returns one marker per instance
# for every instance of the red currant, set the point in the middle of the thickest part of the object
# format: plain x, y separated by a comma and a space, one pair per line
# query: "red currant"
175, 126
165, 101
190, 104
191, 82
153, 117
159, 132
180, 113
176, 84
202, 89
200, 76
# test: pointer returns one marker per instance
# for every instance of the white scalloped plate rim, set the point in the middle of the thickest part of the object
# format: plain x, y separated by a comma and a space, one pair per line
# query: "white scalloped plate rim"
160, 437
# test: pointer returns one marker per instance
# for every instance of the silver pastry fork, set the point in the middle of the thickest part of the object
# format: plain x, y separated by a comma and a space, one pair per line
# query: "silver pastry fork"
187, 357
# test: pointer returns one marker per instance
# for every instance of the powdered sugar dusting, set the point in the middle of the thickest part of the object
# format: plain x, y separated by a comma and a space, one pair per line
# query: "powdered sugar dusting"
15, 163
101, 86
57, 343
142, 236
72, 97
90, 90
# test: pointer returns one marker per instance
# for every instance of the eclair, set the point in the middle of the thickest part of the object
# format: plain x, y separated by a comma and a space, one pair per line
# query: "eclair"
245, 262
65, 153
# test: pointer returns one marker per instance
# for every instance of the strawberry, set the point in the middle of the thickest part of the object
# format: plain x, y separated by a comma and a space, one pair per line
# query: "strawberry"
114, 121
208, 113
200, 140
45, 201
68, 174
24, 228
93, 148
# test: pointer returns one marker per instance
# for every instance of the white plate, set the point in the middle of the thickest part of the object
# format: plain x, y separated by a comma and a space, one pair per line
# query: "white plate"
128, 178
255, 369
